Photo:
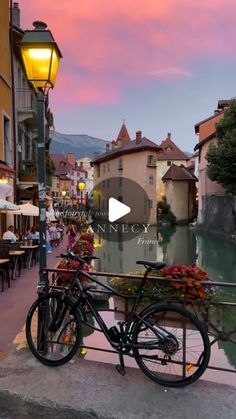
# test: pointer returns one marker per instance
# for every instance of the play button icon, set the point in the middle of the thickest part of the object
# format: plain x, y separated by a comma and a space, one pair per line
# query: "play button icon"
117, 210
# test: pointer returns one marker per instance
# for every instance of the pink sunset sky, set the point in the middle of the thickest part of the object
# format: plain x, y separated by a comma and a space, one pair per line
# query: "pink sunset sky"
162, 65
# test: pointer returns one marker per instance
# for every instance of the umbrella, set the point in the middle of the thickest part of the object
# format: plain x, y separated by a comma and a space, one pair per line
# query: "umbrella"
28, 209
6, 205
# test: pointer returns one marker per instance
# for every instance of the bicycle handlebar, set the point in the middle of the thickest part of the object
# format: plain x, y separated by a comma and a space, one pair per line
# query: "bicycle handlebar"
81, 259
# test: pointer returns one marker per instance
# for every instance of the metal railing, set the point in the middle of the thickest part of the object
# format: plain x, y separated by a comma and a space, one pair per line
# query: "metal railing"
218, 335
25, 99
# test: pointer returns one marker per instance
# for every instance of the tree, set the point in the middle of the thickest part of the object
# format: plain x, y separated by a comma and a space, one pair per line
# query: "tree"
221, 156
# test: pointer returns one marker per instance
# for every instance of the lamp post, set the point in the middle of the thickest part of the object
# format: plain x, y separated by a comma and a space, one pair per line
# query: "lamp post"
81, 187
41, 56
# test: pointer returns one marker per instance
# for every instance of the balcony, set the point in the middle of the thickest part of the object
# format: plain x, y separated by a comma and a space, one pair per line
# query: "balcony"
25, 104
28, 173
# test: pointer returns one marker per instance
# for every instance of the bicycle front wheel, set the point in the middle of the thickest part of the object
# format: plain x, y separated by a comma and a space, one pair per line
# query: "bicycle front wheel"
53, 333
171, 345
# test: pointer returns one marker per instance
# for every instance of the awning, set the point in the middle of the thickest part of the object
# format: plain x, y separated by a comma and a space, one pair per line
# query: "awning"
6, 205
28, 209
6, 170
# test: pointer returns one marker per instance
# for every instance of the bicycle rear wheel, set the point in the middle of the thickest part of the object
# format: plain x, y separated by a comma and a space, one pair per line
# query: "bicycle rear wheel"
53, 333
181, 355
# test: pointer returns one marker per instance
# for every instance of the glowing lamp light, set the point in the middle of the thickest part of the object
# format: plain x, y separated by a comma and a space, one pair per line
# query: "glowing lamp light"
4, 180
81, 185
41, 56
63, 194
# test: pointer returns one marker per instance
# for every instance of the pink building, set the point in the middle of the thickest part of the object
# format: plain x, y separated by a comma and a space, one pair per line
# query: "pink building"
206, 131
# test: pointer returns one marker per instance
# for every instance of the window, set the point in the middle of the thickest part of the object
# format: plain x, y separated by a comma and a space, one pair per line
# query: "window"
7, 139
53, 194
120, 164
120, 198
104, 168
103, 184
108, 183
150, 203
120, 181
98, 170
151, 180
108, 167
151, 160
168, 163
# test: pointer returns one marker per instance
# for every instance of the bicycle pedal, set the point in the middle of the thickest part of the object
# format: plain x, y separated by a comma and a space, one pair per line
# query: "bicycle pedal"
120, 369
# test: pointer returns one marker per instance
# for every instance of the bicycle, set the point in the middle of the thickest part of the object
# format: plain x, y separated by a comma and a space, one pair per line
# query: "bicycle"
170, 345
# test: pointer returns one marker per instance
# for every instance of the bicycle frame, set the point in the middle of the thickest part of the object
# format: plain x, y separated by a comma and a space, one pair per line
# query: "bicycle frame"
133, 314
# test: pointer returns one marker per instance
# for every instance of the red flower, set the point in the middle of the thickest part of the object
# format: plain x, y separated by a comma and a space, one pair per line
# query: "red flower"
193, 275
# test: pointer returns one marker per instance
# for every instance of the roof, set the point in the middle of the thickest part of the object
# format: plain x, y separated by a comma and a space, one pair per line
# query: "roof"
201, 143
205, 120
61, 165
5, 169
132, 147
222, 104
179, 173
123, 135
171, 151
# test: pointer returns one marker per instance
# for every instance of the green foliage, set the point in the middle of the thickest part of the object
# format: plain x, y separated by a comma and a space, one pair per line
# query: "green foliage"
221, 157
164, 212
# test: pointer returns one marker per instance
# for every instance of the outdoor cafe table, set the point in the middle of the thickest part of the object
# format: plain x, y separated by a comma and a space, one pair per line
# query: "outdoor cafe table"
16, 254
30, 249
2, 261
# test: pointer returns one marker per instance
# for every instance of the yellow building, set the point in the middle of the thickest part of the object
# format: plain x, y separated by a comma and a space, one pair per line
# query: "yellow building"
134, 160
170, 154
6, 113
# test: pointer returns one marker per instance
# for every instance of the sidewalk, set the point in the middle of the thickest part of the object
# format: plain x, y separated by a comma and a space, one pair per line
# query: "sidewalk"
15, 301
88, 390
92, 390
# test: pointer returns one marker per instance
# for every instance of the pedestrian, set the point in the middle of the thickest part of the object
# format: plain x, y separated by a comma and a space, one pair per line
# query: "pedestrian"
48, 239
9, 234
71, 231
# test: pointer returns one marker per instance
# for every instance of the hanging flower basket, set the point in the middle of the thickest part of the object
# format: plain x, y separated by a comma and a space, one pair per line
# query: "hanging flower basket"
83, 247
67, 279
192, 290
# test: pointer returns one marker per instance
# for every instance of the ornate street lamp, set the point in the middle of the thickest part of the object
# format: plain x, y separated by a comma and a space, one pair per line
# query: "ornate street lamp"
81, 185
41, 56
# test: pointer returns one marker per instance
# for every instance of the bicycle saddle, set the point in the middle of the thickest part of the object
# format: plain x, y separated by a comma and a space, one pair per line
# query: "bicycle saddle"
153, 265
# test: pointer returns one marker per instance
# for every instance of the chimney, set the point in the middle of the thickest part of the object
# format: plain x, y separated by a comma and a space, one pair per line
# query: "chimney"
107, 147
16, 14
113, 145
169, 135
138, 137
81, 165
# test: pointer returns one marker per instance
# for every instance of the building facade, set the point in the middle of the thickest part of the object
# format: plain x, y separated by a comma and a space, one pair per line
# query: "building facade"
206, 131
7, 174
134, 160
170, 154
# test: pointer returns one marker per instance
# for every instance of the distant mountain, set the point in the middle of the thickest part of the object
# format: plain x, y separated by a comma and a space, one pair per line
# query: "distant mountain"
81, 145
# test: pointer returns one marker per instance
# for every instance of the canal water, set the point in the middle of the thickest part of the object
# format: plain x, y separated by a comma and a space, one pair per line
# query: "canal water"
173, 245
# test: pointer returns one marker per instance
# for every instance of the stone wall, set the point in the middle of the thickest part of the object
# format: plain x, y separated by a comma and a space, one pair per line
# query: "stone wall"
219, 214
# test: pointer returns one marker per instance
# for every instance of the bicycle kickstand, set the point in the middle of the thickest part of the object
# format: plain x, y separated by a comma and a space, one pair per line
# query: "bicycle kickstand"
121, 366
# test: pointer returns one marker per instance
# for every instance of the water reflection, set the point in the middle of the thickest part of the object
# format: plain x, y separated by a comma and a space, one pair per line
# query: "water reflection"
180, 245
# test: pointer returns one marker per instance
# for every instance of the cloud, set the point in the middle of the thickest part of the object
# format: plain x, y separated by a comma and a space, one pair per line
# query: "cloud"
108, 46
